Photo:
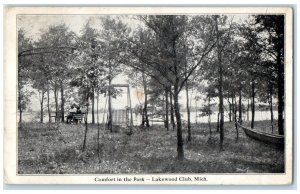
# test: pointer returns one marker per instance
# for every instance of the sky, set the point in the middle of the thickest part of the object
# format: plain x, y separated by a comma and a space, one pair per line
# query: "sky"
35, 25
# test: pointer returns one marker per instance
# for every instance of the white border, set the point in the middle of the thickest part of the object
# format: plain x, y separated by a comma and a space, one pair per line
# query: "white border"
10, 99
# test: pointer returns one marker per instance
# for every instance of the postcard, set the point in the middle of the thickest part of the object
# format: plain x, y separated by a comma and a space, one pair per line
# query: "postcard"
148, 95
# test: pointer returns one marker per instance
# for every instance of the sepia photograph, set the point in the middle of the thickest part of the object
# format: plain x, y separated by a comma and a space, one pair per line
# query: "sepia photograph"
151, 93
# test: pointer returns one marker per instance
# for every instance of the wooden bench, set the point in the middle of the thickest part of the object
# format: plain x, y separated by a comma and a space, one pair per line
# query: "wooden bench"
77, 117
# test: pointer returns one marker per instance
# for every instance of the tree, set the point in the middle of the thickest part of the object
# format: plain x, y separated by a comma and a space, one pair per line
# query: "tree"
89, 74
113, 50
83, 80
188, 108
235, 75
38, 77
265, 93
56, 45
92, 48
251, 59
165, 48
24, 63
210, 91
273, 25
223, 34
140, 79
220, 84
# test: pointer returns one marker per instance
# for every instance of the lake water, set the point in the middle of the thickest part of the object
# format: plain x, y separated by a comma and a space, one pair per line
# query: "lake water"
259, 115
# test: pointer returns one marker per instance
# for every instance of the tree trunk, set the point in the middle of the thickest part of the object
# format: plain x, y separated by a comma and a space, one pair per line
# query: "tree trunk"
48, 104
221, 109
56, 102
272, 116
235, 120
20, 119
220, 89
230, 107
280, 83
180, 153
98, 131
62, 108
109, 122
218, 122
240, 105
188, 111
145, 118
86, 126
172, 111
232, 104
20, 104
167, 109
248, 107
42, 106
196, 105
209, 113
271, 106
93, 106
20, 107
252, 103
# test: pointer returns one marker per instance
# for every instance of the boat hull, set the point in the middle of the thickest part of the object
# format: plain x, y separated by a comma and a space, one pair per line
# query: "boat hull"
268, 138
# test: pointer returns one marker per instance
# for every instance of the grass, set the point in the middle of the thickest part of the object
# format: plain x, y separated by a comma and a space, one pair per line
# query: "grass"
264, 126
56, 149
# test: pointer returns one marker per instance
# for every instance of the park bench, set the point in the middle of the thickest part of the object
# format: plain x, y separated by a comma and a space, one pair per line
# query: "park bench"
77, 118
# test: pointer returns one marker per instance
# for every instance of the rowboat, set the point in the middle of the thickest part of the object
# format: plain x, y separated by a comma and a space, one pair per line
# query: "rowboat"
268, 138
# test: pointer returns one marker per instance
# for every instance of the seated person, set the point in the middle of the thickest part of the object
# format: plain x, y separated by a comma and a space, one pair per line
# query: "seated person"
71, 114
78, 110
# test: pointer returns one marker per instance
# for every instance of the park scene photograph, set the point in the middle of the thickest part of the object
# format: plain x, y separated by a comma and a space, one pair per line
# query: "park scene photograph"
151, 94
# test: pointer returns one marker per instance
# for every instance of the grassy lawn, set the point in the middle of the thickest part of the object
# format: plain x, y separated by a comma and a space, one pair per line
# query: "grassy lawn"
264, 126
56, 149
